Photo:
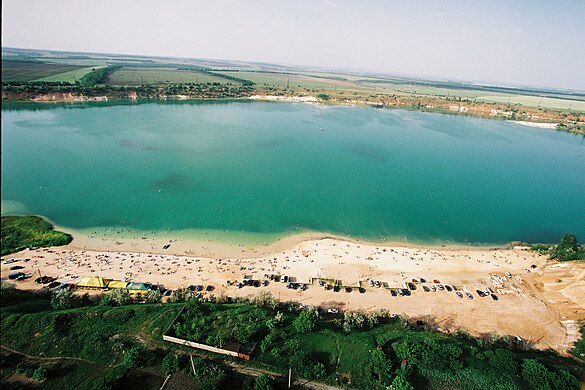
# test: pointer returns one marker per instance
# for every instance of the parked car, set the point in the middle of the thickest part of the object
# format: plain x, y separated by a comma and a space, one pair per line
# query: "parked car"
440, 287
15, 275
348, 289
337, 289
24, 277
448, 288
265, 283
426, 289
480, 293
54, 284
423, 280
209, 288
44, 279
494, 297
370, 283
411, 286
10, 261
167, 293
333, 310
377, 284
459, 295
362, 290
393, 293
15, 267
436, 281
508, 275
468, 295
406, 292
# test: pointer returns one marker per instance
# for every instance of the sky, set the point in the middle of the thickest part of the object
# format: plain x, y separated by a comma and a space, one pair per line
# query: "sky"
520, 42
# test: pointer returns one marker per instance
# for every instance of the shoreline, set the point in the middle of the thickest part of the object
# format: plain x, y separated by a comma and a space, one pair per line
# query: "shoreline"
305, 99
540, 125
222, 244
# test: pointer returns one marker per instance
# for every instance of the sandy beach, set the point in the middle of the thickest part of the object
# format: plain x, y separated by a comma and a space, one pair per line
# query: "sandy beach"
541, 306
541, 125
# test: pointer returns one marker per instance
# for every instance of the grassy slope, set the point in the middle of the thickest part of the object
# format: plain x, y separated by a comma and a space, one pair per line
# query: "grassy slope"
21, 232
101, 335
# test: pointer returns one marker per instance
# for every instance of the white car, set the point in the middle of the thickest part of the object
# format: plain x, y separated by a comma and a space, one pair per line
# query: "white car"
509, 275
332, 311
370, 283
10, 261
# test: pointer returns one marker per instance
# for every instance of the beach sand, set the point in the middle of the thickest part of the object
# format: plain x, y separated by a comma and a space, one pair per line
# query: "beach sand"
541, 306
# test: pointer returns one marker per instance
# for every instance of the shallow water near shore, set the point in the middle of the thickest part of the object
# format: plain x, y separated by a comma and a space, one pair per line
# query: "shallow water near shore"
274, 169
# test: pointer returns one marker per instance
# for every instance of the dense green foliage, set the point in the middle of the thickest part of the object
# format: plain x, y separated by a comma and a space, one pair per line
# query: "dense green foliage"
22, 232
263, 382
306, 321
568, 249
97, 76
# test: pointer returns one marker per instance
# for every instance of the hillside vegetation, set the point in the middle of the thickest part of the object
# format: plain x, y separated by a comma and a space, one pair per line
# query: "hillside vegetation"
29, 231
354, 350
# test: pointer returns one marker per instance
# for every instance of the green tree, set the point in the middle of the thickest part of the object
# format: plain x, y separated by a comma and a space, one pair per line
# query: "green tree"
568, 249
120, 297
263, 382
64, 299
153, 296
170, 363
400, 382
132, 357
40, 373
265, 299
535, 374
306, 321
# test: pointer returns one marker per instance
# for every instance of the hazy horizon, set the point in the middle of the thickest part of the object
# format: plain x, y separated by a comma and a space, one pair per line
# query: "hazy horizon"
521, 43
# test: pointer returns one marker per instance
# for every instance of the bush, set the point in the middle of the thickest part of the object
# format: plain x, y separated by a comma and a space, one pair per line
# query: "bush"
170, 363
303, 364
120, 297
209, 375
306, 321
182, 295
539, 377
265, 299
263, 382
132, 357
380, 365
503, 361
401, 383
153, 296
64, 299
358, 320
40, 373
568, 249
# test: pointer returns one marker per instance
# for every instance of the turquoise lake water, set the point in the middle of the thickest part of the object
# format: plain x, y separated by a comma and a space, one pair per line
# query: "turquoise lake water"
278, 168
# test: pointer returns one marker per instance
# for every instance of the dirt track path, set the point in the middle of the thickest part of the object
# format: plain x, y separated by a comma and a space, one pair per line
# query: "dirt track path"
54, 358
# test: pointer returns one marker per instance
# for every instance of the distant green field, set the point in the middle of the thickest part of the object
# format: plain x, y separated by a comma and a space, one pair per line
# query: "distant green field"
295, 81
30, 71
71, 76
138, 76
536, 101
